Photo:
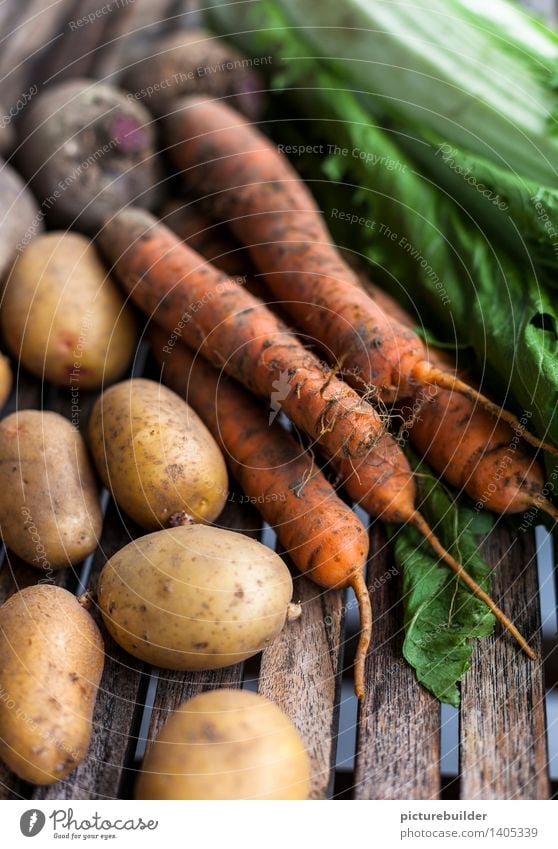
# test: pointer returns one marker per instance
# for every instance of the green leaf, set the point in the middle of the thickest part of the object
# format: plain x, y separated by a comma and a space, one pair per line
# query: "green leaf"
441, 616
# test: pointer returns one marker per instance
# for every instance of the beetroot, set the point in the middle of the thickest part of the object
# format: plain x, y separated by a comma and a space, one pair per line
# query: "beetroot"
88, 150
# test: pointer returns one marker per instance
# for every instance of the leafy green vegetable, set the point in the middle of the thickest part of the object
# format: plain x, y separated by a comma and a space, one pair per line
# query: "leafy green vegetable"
441, 616
476, 81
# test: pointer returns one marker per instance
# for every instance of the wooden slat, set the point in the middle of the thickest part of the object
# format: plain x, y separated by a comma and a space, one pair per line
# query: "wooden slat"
398, 740
503, 734
301, 673
174, 688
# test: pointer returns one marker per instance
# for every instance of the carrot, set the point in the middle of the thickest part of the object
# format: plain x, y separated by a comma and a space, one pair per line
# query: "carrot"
321, 534
209, 238
233, 330
255, 190
458, 438
462, 441
394, 310
215, 243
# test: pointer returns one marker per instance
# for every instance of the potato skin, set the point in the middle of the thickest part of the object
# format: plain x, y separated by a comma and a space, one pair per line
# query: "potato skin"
226, 744
194, 598
156, 455
51, 661
49, 500
63, 317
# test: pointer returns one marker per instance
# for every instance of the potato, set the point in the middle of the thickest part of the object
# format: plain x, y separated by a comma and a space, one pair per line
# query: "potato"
155, 455
21, 219
51, 661
6, 379
49, 502
88, 150
194, 597
226, 744
63, 317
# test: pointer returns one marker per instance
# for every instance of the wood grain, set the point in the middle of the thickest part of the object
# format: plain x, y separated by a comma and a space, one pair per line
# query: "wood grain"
398, 738
301, 672
174, 688
503, 734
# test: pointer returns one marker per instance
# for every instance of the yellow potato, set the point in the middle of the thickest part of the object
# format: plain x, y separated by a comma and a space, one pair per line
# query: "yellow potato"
226, 744
63, 318
156, 455
49, 501
194, 597
51, 661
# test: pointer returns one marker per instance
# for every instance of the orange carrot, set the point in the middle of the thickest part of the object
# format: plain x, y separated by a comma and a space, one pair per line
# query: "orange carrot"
457, 437
255, 190
209, 238
321, 534
463, 442
233, 330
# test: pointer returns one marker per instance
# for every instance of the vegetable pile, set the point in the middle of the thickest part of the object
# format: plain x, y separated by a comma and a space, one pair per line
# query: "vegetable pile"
443, 129
252, 310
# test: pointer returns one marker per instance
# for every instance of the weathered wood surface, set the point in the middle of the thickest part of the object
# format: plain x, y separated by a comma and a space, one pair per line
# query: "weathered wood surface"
301, 672
503, 733
398, 738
